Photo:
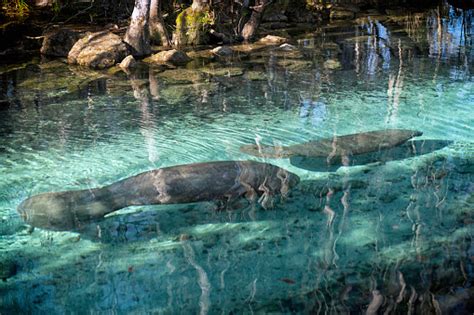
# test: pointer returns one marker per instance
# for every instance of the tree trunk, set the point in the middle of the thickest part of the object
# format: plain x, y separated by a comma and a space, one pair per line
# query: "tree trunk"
250, 28
158, 32
199, 5
138, 34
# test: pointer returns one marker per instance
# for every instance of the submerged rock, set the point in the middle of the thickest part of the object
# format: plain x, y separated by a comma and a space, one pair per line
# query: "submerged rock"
295, 64
273, 40
344, 12
332, 64
173, 56
98, 50
8, 268
341, 14
223, 51
58, 42
181, 76
223, 71
255, 76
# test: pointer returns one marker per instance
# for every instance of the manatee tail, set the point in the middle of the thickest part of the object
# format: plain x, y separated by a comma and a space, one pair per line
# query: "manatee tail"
267, 151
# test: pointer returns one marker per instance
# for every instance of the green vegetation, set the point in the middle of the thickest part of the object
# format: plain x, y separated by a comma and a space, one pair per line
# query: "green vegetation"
15, 9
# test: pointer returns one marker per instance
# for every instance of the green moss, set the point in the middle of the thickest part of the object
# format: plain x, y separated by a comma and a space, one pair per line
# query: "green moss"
192, 26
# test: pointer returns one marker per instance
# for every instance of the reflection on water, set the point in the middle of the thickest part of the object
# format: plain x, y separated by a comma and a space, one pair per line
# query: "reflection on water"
391, 232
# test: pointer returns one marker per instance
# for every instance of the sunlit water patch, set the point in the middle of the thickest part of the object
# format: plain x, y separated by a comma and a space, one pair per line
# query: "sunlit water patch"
390, 234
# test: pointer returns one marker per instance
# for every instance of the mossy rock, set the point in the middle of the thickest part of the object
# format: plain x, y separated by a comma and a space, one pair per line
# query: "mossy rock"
255, 76
201, 54
249, 48
192, 26
295, 64
50, 82
220, 71
183, 93
181, 76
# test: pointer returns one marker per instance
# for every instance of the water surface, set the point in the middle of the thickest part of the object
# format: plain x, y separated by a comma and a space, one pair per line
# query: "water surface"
391, 234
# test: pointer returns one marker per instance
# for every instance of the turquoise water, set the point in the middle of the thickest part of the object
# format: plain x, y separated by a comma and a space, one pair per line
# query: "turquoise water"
393, 235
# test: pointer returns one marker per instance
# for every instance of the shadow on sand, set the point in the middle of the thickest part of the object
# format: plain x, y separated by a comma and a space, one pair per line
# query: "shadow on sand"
407, 150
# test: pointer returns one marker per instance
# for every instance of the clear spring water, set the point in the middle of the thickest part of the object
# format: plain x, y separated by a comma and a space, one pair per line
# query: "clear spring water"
394, 236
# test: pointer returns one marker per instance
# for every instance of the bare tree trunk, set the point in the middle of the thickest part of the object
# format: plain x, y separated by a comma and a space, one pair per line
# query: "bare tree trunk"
158, 32
250, 28
138, 36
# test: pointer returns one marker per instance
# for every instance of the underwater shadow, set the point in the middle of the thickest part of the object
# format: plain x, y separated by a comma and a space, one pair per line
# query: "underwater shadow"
407, 150
168, 222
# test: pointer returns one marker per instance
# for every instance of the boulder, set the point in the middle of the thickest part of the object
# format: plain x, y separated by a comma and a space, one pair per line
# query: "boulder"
128, 63
98, 50
57, 42
222, 51
272, 40
173, 56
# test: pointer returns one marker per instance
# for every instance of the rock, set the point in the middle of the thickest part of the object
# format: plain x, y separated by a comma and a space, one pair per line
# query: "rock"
287, 47
275, 17
58, 42
128, 63
181, 76
201, 54
220, 71
255, 76
332, 64
250, 48
173, 56
342, 13
295, 64
4, 104
223, 51
175, 95
388, 198
331, 46
272, 40
98, 50
8, 268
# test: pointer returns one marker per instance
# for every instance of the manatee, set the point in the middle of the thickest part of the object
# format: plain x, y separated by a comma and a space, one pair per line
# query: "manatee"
347, 145
210, 181
407, 150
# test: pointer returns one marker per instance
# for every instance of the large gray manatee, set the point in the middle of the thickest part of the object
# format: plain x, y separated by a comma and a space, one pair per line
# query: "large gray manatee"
225, 180
353, 144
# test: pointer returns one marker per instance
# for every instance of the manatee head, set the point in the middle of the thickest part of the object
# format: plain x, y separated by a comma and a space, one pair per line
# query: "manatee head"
416, 133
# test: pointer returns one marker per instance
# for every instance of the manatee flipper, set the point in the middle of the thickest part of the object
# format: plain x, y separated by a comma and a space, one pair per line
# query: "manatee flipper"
232, 199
